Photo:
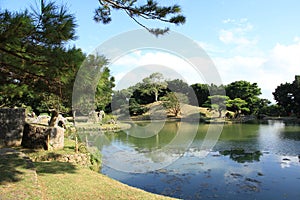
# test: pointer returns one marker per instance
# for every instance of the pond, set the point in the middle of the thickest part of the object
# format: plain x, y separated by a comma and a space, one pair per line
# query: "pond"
249, 161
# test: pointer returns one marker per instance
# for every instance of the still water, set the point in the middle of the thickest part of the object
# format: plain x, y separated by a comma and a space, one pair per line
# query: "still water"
249, 161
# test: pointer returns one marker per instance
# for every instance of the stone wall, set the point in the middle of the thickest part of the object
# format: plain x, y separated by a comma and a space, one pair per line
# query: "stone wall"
11, 126
43, 137
79, 158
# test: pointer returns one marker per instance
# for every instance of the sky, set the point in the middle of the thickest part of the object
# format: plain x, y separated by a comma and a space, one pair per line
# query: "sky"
257, 41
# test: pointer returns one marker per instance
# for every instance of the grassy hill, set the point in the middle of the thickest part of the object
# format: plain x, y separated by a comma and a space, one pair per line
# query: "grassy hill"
188, 112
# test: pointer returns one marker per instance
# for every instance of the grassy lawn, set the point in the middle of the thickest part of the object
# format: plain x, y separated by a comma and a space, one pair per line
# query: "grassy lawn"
66, 181
22, 179
18, 178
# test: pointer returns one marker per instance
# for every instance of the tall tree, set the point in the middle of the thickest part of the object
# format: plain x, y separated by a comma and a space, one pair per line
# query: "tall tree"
179, 86
284, 96
154, 84
35, 61
96, 80
287, 96
136, 10
202, 94
245, 91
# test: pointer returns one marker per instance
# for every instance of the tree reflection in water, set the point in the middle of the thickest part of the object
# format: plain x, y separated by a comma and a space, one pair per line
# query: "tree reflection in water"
242, 156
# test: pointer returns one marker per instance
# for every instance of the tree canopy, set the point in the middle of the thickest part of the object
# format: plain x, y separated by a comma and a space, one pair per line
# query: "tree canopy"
237, 105
218, 103
287, 95
246, 91
38, 68
172, 102
35, 61
153, 84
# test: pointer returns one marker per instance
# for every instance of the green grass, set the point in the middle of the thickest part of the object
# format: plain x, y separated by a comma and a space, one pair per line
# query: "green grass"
22, 179
18, 178
73, 182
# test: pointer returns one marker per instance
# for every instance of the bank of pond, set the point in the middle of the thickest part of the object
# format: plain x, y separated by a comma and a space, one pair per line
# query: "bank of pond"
199, 161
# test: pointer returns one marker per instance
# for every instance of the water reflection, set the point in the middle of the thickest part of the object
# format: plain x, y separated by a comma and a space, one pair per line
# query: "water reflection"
242, 156
248, 162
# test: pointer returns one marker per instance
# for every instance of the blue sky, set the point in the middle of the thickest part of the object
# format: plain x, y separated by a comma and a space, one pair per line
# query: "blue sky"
257, 40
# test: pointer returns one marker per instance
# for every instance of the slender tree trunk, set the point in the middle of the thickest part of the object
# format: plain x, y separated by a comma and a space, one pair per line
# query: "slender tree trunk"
54, 116
156, 96
74, 115
76, 144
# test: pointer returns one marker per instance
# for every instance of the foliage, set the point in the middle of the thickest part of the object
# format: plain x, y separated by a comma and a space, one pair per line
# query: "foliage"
149, 10
153, 84
36, 65
172, 102
94, 84
236, 105
135, 108
263, 107
245, 91
108, 118
202, 93
179, 86
274, 110
218, 103
288, 97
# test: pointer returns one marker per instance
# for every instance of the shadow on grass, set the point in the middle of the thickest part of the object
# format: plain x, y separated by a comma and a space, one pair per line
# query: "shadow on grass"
54, 167
11, 167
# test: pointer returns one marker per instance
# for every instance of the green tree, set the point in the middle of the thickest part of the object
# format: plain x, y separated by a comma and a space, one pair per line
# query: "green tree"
237, 105
103, 81
263, 105
284, 96
296, 86
218, 103
273, 110
153, 84
35, 61
178, 85
136, 10
172, 102
245, 91
135, 108
287, 96
202, 94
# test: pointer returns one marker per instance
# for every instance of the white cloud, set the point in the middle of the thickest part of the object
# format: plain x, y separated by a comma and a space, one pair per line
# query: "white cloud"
237, 33
296, 39
278, 66
135, 66
267, 69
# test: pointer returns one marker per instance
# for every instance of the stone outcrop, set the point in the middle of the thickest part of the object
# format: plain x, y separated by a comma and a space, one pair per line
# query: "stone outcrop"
43, 137
11, 126
79, 158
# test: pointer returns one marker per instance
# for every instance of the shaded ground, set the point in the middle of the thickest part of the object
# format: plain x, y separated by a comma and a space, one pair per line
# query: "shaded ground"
18, 178
22, 179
